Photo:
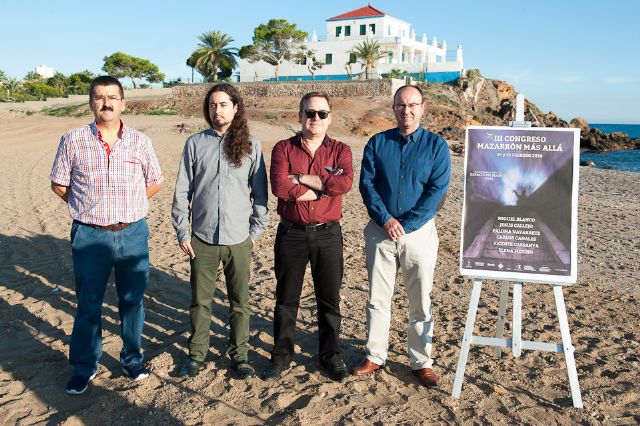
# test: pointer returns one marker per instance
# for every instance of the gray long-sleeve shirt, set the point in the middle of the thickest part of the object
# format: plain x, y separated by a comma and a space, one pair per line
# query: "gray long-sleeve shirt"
226, 204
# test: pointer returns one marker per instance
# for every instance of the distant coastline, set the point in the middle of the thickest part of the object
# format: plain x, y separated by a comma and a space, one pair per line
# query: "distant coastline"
633, 130
627, 160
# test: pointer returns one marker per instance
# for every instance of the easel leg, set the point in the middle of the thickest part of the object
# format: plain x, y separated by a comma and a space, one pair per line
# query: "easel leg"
466, 339
567, 347
502, 316
516, 346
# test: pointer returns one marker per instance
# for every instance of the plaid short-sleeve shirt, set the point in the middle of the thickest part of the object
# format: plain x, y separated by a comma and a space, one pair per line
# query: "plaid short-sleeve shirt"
106, 187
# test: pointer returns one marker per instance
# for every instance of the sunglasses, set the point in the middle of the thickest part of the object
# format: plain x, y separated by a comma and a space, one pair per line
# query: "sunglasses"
310, 113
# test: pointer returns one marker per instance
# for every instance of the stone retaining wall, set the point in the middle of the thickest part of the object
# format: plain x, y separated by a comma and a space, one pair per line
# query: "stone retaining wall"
341, 89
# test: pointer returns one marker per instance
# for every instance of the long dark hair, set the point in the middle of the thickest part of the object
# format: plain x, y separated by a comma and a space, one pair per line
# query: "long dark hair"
239, 142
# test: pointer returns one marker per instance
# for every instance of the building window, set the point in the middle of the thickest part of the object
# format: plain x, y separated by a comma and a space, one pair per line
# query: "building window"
389, 57
389, 30
403, 57
338, 31
372, 27
352, 58
328, 59
347, 30
363, 29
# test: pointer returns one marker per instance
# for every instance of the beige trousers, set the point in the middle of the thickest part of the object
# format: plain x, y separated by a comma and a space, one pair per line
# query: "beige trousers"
416, 254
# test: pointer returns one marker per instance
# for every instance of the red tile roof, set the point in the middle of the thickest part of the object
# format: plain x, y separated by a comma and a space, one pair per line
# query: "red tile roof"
364, 12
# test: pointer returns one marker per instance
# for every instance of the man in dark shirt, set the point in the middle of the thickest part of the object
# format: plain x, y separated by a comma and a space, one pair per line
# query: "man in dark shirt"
404, 179
309, 174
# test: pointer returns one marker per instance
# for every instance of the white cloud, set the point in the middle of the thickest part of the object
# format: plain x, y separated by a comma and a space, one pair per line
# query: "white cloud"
619, 79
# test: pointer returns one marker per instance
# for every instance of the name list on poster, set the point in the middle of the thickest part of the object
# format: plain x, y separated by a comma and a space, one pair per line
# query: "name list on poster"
516, 235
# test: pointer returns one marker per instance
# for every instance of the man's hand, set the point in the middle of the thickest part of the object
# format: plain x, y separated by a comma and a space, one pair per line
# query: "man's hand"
294, 179
61, 191
152, 190
393, 229
186, 247
310, 181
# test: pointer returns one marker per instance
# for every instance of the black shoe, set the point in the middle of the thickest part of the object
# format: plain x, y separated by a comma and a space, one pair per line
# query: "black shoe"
244, 370
336, 369
135, 372
191, 368
78, 384
273, 372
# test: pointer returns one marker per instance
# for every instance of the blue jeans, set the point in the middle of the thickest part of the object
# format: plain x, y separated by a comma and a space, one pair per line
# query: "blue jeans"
95, 253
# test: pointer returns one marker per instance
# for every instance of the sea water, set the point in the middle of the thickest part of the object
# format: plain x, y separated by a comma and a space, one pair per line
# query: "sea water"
628, 160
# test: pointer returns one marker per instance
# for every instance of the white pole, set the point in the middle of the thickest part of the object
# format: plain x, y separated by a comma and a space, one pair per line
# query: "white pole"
519, 107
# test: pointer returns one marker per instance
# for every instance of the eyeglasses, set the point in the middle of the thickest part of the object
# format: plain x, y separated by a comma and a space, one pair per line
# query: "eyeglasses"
103, 99
403, 106
310, 113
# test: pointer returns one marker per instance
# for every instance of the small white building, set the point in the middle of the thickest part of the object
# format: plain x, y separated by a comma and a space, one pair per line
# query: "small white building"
45, 71
423, 59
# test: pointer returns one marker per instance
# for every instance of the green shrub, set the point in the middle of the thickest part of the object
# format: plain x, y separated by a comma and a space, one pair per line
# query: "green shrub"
473, 73
66, 111
165, 111
41, 91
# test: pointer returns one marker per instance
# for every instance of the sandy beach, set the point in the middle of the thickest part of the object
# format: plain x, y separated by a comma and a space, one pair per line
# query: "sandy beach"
37, 305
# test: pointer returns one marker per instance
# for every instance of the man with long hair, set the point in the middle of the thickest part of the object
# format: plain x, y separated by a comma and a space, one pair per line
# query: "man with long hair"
310, 172
105, 172
221, 191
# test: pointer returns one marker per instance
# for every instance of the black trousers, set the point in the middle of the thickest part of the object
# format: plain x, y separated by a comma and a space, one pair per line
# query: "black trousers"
294, 248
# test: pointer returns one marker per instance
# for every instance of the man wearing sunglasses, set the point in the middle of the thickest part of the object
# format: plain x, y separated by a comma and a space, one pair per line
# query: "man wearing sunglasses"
309, 174
105, 172
404, 179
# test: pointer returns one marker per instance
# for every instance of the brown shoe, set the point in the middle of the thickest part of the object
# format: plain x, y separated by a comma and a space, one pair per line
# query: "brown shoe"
427, 377
367, 367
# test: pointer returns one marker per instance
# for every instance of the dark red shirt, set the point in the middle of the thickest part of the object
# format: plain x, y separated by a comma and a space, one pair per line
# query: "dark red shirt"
290, 157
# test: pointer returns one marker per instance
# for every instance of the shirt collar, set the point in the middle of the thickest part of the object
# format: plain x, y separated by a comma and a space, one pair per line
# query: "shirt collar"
297, 139
96, 131
412, 137
216, 135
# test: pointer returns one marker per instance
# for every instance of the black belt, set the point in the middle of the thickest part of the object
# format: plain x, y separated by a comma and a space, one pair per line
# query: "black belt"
308, 227
114, 228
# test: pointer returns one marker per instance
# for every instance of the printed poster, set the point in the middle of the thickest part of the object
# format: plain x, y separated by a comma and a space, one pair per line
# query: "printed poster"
520, 211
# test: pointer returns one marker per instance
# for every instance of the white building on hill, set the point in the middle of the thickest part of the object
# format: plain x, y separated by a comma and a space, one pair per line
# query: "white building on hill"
424, 59
45, 71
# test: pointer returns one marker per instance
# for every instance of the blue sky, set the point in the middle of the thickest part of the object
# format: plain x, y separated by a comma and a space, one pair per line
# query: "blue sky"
576, 58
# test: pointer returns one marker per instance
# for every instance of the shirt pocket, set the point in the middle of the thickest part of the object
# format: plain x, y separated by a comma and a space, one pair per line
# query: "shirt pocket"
129, 169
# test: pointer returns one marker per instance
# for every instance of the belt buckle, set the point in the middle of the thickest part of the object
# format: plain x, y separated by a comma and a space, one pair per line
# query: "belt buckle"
313, 227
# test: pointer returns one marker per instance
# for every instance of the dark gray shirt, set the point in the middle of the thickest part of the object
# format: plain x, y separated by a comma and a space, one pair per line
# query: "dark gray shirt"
226, 204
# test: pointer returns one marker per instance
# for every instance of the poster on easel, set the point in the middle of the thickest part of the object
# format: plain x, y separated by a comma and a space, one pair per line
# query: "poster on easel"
520, 208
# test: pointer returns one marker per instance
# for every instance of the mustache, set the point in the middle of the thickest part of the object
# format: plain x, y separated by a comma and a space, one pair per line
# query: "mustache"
106, 108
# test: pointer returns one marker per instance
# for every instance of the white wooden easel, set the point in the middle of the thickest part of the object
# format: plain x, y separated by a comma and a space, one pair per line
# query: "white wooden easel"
516, 343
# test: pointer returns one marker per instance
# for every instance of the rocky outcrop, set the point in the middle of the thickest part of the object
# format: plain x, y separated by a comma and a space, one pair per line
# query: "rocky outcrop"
492, 102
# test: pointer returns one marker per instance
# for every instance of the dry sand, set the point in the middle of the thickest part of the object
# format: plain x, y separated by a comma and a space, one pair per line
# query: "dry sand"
37, 305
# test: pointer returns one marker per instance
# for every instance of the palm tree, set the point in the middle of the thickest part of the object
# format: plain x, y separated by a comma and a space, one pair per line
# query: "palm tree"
368, 52
213, 52
191, 62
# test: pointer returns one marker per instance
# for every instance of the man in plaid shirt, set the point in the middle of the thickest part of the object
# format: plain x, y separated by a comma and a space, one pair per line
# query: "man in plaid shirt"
106, 172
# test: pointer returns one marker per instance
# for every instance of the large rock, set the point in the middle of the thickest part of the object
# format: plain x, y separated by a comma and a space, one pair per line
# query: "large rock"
580, 123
